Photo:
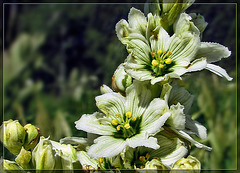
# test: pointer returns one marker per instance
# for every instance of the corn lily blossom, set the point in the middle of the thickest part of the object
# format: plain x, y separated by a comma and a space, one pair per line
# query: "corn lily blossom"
155, 55
125, 121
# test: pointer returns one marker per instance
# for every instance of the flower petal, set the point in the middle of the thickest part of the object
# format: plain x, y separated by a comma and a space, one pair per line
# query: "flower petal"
153, 112
137, 20
155, 126
219, 71
140, 50
141, 74
162, 40
84, 159
92, 124
183, 46
180, 94
138, 97
177, 119
197, 65
122, 29
212, 51
142, 140
111, 103
195, 128
106, 146
170, 151
184, 24
190, 139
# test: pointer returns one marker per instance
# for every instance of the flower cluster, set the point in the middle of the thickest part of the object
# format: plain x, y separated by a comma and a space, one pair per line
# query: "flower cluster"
143, 122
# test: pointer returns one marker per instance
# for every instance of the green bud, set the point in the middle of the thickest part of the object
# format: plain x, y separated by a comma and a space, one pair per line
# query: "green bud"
9, 166
32, 136
155, 164
24, 158
66, 155
187, 165
43, 155
121, 80
12, 135
171, 10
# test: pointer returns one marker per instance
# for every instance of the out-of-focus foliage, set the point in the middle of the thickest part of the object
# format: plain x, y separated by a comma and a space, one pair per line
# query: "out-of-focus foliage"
58, 55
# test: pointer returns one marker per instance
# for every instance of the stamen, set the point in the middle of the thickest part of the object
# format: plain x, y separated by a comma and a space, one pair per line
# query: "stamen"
168, 61
118, 128
100, 160
114, 122
159, 51
154, 62
117, 114
153, 53
127, 126
164, 52
169, 53
129, 114
134, 118
142, 158
141, 167
161, 66
148, 155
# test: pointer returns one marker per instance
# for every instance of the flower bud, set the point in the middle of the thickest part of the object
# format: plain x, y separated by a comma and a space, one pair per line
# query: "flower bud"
105, 89
31, 137
24, 158
43, 155
155, 164
121, 80
12, 135
10, 166
187, 165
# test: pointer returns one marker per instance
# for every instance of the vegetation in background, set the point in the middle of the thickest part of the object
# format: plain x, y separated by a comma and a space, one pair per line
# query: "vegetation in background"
57, 57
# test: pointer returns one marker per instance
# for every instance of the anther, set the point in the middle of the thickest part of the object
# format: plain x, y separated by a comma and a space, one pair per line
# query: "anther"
141, 167
117, 114
169, 53
129, 114
114, 122
161, 66
134, 118
127, 126
154, 62
118, 128
153, 53
142, 158
168, 61
159, 51
148, 155
100, 160
164, 52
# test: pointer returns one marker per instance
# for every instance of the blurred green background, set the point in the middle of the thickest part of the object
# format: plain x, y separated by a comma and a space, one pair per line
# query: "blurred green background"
56, 56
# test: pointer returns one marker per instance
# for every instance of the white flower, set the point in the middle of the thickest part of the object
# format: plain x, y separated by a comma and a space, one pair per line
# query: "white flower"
127, 121
155, 55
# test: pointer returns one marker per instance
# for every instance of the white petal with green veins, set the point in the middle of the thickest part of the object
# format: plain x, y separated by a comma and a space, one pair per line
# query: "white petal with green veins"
153, 112
84, 159
137, 20
91, 124
219, 71
111, 103
142, 140
106, 146
138, 98
212, 51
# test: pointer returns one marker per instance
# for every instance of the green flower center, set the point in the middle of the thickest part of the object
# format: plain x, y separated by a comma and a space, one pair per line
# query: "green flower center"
161, 62
128, 127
